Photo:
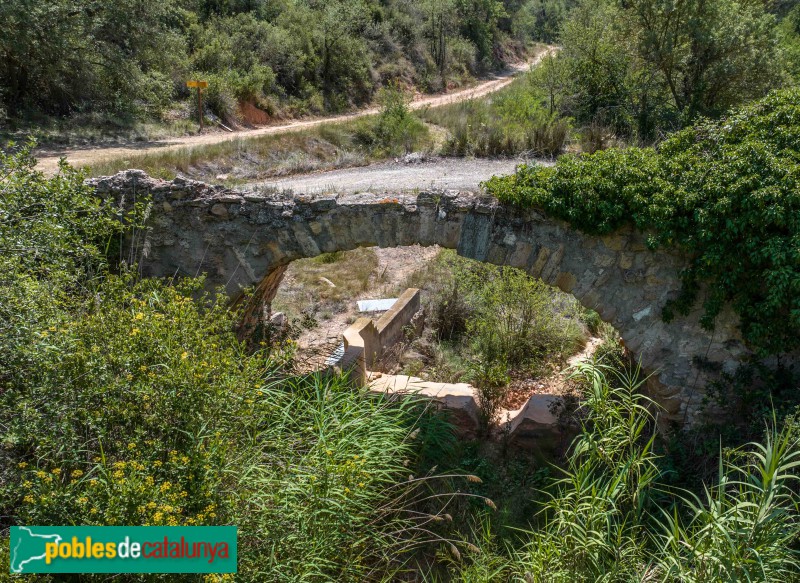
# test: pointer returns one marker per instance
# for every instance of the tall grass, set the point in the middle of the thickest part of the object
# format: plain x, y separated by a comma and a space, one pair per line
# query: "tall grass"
612, 519
323, 490
512, 121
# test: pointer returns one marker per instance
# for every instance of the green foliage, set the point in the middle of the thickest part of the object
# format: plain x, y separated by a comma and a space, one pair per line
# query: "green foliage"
44, 259
726, 193
644, 67
395, 130
490, 379
789, 37
323, 486
744, 528
516, 320
515, 120
478, 23
60, 56
132, 58
540, 19
127, 401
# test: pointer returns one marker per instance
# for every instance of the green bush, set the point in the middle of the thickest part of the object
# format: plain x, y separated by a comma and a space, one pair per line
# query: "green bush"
516, 319
726, 193
395, 130
612, 519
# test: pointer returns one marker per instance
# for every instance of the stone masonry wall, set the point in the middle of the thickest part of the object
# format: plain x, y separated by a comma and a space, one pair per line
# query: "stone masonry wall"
246, 239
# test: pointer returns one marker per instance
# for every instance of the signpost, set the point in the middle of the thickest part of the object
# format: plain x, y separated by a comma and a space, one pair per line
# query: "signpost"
200, 85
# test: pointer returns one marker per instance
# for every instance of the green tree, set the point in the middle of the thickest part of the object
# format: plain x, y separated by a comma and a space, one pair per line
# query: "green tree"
711, 54
441, 26
479, 24
727, 193
644, 67
69, 54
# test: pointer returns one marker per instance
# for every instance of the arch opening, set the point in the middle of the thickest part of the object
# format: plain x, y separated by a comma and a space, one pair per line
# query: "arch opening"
246, 239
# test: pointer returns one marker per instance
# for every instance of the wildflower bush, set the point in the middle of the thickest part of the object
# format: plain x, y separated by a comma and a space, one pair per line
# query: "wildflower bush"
727, 193
132, 402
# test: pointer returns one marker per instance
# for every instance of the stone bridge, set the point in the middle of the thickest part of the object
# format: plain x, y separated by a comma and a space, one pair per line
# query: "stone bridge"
246, 239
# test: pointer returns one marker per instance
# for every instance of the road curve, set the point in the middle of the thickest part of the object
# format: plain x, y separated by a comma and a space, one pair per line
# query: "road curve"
48, 159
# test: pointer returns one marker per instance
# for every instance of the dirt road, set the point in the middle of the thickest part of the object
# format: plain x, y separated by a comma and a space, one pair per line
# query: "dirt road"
439, 173
48, 159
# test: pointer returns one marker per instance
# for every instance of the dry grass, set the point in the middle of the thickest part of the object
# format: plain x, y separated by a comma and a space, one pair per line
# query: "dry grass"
305, 287
94, 129
325, 147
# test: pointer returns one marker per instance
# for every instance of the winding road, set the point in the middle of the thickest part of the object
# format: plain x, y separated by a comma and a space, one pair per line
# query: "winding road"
48, 158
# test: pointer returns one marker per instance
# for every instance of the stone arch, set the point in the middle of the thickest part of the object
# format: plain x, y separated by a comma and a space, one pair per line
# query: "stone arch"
247, 239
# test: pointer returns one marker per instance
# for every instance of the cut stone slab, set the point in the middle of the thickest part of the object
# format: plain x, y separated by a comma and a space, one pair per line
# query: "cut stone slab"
536, 428
458, 398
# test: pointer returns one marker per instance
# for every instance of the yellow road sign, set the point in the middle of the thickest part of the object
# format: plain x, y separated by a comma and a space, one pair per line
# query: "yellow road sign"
198, 84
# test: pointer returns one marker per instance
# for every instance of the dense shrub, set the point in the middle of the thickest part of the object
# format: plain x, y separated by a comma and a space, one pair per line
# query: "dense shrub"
645, 67
395, 130
726, 193
133, 58
517, 320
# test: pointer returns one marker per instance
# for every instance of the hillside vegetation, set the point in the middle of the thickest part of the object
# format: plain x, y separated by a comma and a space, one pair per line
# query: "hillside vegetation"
130, 401
118, 62
134, 401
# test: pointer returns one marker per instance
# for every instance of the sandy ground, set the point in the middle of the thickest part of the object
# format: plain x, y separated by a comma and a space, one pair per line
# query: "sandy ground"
48, 159
439, 173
